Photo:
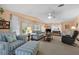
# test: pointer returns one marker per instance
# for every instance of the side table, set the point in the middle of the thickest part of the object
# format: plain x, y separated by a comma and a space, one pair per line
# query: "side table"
29, 37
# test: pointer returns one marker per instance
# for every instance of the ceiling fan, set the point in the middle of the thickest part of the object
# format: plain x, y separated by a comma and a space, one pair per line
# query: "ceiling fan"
60, 5
50, 15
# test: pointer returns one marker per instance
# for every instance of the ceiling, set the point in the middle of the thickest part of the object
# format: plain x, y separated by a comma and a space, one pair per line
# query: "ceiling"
66, 12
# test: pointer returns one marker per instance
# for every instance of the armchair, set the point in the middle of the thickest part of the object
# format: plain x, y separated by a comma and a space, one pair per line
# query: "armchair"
67, 39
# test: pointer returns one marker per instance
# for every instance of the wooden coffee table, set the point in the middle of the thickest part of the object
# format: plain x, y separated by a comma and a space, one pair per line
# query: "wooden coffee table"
47, 37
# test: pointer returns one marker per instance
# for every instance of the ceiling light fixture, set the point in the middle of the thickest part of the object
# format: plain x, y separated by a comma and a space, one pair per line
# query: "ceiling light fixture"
53, 14
49, 16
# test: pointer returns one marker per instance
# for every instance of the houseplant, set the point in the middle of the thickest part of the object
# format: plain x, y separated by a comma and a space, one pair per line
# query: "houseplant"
1, 12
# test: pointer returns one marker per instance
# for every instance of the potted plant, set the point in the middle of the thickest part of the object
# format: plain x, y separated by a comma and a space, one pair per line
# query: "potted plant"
1, 12
24, 30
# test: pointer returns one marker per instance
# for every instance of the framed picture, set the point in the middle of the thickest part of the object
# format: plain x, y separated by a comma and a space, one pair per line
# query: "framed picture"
4, 24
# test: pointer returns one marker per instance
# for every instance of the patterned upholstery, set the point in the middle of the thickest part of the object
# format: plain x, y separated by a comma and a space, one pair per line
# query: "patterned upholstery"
8, 47
0, 37
37, 35
29, 48
4, 49
15, 44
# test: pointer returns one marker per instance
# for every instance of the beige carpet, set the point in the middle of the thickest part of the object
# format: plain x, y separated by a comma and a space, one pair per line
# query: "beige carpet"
56, 47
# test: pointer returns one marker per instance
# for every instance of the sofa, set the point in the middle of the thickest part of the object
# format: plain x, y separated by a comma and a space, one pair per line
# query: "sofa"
37, 35
7, 46
29, 48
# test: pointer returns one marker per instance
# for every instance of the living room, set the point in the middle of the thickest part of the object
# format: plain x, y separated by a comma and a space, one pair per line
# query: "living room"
27, 30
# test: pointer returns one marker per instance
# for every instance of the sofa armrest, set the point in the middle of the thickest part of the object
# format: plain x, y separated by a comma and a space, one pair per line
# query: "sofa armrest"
34, 36
4, 46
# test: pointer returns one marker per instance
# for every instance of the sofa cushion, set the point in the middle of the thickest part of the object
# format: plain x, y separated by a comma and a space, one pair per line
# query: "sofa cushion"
15, 44
1, 46
33, 33
3, 34
22, 37
0, 37
29, 48
10, 38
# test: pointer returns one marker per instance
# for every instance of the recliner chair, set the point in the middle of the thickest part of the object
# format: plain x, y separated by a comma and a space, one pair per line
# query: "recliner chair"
67, 39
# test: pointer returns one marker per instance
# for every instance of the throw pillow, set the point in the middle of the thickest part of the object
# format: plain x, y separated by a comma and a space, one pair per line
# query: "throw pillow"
10, 38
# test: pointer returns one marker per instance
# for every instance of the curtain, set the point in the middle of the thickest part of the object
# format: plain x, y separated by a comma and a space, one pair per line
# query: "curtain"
15, 24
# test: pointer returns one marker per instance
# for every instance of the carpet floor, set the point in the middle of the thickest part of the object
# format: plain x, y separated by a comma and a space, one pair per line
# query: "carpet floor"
56, 47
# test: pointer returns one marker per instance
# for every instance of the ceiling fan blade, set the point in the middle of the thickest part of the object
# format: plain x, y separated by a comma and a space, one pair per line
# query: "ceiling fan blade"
60, 5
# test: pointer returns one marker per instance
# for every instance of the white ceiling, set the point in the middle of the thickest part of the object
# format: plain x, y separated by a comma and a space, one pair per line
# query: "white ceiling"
66, 12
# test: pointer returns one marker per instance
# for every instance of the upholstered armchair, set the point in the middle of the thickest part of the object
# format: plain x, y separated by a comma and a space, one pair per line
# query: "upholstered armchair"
67, 39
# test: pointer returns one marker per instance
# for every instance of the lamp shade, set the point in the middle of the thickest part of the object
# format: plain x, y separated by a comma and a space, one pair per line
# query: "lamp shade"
29, 29
73, 27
